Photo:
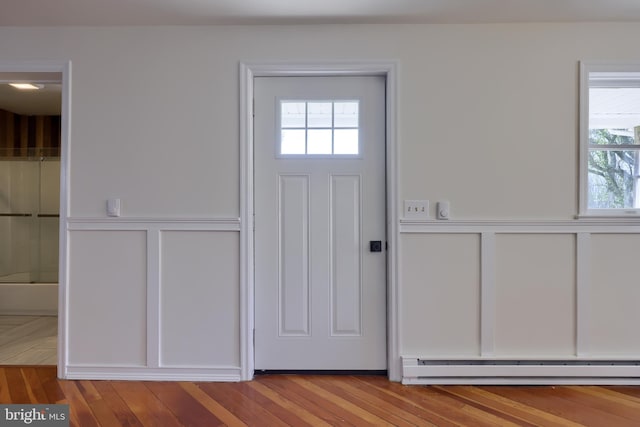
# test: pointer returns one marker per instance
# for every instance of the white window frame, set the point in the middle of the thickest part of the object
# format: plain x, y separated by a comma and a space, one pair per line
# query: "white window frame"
587, 67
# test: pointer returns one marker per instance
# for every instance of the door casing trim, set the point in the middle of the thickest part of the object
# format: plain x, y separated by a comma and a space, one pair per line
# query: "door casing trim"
250, 70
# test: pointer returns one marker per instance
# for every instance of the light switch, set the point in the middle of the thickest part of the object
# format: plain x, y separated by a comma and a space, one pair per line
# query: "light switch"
416, 209
442, 210
113, 207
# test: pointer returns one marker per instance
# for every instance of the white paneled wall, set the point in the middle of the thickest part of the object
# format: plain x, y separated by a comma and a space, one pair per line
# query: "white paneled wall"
539, 296
177, 282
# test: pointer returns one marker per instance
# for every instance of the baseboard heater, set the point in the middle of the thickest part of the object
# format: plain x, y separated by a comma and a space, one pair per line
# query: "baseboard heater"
484, 371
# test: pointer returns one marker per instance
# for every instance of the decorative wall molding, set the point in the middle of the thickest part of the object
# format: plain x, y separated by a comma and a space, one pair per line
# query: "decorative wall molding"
593, 225
487, 293
152, 223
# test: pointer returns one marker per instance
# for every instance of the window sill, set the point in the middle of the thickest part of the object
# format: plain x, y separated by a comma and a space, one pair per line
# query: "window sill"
613, 216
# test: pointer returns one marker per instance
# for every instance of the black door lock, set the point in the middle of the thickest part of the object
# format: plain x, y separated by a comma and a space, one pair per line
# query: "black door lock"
375, 246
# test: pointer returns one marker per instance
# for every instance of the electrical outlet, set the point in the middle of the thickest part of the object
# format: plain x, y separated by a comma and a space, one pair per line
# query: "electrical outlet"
416, 209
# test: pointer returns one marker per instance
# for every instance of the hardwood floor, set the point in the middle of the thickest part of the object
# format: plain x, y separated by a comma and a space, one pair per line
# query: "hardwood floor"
305, 400
28, 340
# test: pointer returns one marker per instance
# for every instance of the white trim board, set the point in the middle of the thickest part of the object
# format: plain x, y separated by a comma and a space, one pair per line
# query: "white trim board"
164, 224
215, 374
250, 70
612, 225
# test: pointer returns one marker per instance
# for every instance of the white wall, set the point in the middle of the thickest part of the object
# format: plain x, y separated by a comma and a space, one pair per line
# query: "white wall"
487, 119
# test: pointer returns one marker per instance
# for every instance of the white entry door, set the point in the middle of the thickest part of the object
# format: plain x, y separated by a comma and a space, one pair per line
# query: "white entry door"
320, 235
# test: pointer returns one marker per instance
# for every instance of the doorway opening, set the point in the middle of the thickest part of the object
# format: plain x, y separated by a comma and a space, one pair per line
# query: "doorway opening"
248, 74
31, 134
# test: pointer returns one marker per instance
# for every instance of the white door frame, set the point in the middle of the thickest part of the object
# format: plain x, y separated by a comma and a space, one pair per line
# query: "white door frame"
248, 71
63, 67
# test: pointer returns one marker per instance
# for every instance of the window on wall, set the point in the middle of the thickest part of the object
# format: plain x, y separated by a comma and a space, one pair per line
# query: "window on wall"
319, 128
610, 139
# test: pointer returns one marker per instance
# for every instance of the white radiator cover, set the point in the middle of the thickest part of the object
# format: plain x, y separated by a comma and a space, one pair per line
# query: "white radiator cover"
483, 371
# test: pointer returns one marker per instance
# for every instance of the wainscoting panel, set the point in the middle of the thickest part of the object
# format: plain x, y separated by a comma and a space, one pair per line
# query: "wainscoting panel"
199, 299
614, 313
153, 298
556, 301
440, 280
107, 307
535, 313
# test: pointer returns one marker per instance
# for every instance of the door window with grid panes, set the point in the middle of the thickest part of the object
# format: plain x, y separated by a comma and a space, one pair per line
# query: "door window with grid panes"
319, 128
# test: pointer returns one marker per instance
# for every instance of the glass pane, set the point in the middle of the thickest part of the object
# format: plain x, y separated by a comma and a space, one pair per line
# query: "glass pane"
293, 141
612, 179
319, 141
345, 141
614, 108
346, 114
614, 136
293, 114
18, 205
48, 220
319, 115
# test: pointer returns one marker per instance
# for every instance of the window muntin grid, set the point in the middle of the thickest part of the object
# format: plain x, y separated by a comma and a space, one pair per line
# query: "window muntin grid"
319, 128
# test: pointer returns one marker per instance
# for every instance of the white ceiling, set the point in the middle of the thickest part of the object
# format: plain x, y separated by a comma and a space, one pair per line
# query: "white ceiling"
46, 101
205, 12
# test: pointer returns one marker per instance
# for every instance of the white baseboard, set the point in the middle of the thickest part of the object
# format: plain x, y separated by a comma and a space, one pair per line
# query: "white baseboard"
222, 374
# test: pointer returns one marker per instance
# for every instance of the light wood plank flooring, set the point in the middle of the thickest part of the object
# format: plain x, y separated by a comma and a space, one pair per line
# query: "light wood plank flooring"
308, 400
28, 340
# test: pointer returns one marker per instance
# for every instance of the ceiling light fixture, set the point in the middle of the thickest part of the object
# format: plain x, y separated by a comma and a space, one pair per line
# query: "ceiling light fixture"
26, 86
